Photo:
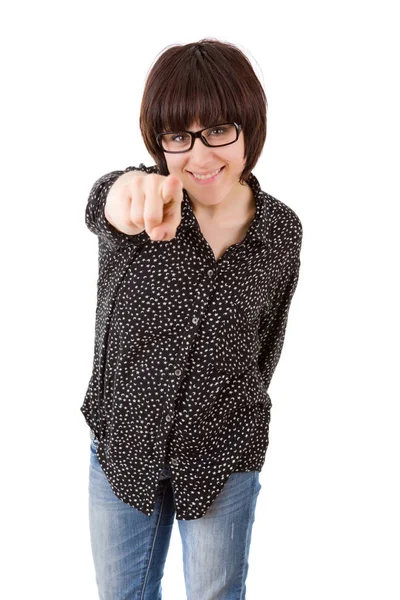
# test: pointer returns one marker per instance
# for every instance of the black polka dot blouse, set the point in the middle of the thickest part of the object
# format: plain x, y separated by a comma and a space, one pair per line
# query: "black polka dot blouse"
185, 348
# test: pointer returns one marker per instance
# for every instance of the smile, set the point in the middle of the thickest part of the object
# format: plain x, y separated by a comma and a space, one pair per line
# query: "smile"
210, 177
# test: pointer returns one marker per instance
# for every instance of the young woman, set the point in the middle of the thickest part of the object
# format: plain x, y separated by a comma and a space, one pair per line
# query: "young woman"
197, 270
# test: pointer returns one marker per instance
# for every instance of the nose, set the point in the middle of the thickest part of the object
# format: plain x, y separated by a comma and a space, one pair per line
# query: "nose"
200, 152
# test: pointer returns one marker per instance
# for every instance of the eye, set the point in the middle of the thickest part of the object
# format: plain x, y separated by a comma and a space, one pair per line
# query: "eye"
218, 130
179, 137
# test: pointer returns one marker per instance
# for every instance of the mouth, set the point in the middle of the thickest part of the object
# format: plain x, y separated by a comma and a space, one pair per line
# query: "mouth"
206, 179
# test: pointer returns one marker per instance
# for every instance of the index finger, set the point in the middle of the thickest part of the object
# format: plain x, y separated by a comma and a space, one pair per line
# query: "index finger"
172, 195
172, 189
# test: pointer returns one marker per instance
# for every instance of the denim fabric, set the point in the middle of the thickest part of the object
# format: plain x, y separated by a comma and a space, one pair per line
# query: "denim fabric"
130, 548
165, 473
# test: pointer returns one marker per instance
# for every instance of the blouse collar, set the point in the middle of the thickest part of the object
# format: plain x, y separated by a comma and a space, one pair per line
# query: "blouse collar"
258, 229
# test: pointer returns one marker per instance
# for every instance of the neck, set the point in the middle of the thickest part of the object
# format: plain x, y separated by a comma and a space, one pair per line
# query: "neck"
236, 205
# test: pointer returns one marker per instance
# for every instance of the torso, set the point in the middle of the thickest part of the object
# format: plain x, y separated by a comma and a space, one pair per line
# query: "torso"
220, 238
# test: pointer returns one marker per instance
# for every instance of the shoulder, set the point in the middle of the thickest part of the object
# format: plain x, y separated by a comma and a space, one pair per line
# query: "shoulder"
142, 167
285, 226
282, 217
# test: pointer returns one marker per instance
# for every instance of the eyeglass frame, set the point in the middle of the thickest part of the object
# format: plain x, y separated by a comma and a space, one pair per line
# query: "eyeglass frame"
197, 134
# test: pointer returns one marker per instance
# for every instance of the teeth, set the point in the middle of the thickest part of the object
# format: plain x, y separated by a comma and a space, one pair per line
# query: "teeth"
207, 176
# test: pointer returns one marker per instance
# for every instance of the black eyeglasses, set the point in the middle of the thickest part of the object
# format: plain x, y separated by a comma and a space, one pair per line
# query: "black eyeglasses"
214, 137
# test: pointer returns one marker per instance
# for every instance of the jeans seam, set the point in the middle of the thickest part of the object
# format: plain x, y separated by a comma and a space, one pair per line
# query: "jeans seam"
154, 541
249, 526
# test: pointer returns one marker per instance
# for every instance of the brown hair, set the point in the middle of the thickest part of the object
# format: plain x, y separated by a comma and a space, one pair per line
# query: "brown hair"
207, 81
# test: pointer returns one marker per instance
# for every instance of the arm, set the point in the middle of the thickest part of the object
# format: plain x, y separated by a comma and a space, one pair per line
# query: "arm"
274, 319
95, 218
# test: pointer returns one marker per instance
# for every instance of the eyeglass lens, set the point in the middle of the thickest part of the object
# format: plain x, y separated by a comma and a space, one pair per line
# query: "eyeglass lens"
218, 135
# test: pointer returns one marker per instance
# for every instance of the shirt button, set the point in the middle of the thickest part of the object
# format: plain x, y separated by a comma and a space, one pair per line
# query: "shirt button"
195, 320
210, 273
174, 461
168, 418
178, 372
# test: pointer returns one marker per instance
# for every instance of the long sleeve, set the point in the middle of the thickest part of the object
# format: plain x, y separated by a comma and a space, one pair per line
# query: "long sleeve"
273, 321
175, 377
94, 214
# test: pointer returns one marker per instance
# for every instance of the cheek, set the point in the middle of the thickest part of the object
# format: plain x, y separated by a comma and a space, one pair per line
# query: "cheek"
235, 155
174, 164
236, 161
242, 152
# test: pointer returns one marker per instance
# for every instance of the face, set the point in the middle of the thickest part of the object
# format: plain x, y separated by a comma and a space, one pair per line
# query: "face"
203, 160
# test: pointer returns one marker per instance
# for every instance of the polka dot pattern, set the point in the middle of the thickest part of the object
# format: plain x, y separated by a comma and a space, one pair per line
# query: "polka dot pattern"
185, 349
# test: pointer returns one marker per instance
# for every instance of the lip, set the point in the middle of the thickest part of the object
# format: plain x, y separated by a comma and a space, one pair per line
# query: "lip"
207, 181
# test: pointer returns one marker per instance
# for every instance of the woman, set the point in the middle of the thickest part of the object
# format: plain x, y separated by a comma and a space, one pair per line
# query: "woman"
197, 269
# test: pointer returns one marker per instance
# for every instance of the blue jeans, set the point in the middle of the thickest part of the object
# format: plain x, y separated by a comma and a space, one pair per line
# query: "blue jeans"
130, 548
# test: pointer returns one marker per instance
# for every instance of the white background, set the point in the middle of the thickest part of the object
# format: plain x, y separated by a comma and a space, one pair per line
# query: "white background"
327, 518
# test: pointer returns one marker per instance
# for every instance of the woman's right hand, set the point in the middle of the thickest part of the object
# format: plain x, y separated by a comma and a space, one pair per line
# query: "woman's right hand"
140, 201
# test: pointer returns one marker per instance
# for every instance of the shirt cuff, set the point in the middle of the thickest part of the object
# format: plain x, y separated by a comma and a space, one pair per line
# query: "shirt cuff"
94, 215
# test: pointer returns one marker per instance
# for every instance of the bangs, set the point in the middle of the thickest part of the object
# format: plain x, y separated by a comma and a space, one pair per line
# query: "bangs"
207, 82
194, 92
